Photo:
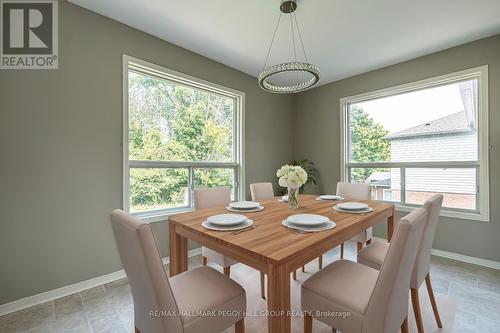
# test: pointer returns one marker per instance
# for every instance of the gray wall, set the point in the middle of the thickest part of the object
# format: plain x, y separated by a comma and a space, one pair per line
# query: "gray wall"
61, 154
316, 124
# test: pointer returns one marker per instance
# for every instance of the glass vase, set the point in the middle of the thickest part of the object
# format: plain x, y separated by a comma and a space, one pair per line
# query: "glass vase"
293, 198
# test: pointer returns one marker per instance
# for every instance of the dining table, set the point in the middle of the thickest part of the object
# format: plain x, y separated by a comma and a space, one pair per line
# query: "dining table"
272, 248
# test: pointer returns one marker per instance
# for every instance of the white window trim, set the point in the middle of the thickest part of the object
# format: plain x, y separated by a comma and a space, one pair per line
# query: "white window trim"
239, 126
481, 74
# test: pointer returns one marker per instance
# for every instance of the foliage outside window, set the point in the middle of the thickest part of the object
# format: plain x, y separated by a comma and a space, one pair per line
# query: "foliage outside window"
181, 135
413, 141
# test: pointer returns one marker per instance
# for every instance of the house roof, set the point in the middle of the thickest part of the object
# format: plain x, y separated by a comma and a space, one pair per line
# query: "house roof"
453, 123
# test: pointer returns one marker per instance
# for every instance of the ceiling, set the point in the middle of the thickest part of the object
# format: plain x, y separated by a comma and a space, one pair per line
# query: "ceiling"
342, 37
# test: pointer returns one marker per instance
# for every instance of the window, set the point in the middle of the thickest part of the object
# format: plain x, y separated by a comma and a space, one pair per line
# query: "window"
179, 133
412, 141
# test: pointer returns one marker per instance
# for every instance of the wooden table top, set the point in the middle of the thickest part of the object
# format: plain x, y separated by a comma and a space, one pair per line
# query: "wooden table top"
270, 241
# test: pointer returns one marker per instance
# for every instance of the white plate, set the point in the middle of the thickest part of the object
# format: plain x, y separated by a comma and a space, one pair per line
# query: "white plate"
325, 226
284, 198
226, 219
352, 206
244, 205
307, 219
330, 197
363, 211
257, 209
210, 226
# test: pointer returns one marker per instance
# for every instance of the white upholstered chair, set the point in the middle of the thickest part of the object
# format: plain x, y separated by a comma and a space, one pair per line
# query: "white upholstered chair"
374, 255
354, 191
377, 302
261, 191
212, 197
183, 296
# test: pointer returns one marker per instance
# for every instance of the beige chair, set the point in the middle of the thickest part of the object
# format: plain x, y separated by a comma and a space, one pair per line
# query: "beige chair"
207, 198
374, 255
177, 304
377, 302
358, 192
212, 197
261, 191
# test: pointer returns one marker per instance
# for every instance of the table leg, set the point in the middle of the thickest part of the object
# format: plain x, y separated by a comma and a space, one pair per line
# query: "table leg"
390, 227
278, 295
178, 251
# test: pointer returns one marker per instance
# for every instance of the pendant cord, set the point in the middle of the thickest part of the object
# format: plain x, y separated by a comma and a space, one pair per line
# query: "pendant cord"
272, 41
300, 37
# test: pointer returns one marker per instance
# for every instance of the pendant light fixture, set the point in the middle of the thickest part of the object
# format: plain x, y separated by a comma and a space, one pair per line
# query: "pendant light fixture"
288, 7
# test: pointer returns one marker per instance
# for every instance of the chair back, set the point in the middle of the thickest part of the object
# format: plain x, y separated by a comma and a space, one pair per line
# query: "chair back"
211, 197
423, 261
261, 191
388, 306
354, 190
146, 275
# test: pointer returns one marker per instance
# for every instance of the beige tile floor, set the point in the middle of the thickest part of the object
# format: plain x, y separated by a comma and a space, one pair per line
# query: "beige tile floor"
468, 297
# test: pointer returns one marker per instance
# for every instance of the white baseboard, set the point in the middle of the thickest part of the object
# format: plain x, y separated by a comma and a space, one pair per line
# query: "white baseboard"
50, 295
467, 259
461, 257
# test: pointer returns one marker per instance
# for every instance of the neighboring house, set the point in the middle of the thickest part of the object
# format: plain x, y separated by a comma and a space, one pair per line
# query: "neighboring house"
453, 137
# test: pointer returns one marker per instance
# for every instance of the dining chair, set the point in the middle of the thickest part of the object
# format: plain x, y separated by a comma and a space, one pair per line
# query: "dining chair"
261, 191
174, 305
212, 197
362, 298
374, 255
355, 191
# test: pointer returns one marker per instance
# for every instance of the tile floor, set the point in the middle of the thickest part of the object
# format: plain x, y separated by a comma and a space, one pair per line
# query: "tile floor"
468, 297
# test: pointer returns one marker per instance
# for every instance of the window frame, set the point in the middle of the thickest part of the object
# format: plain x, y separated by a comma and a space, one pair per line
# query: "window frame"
238, 163
482, 212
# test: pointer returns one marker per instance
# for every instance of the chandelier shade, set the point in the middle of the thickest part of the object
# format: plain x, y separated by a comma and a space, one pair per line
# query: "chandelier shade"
288, 7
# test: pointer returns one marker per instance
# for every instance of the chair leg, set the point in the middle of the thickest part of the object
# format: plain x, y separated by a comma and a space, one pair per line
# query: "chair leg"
433, 300
204, 261
227, 271
416, 309
239, 327
263, 285
320, 262
404, 326
334, 330
308, 323
342, 251
294, 274
368, 242
360, 246
304, 269
136, 330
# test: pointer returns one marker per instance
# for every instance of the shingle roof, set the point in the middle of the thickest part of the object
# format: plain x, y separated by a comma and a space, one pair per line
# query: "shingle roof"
453, 123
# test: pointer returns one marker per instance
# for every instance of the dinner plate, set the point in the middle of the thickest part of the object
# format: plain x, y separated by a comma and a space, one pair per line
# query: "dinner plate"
210, 226
352, 206
330, 197
257, 209
363, 211
226, 219
307, 219
244, 205
325, 226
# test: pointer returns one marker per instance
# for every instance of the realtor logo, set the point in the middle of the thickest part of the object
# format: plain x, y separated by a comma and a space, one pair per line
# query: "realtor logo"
29, 32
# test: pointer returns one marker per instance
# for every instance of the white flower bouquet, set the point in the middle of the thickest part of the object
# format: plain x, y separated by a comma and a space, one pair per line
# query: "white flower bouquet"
292, 177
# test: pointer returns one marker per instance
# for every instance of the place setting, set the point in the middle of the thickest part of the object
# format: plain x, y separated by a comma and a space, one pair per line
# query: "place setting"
329, 198
352, 208
244, 207
228, 222
308, 223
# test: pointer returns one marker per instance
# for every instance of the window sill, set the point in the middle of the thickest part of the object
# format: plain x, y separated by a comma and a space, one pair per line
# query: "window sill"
448, 213
162, 216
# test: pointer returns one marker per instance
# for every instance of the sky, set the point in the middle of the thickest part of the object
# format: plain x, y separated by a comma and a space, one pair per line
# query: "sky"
407, 110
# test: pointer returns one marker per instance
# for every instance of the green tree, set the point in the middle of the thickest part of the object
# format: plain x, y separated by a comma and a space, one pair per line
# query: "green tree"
367, 143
